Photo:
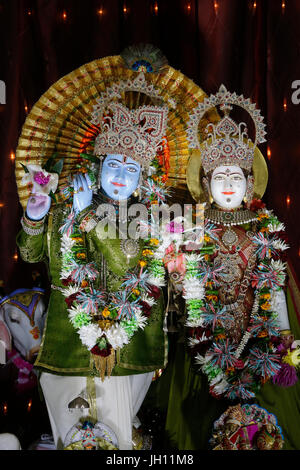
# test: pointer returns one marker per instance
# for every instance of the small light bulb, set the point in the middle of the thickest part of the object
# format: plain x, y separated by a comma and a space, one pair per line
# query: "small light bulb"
29, 405
284, 104
12, 156
216, 6
64, 15
283, 6
288, 201
269, 153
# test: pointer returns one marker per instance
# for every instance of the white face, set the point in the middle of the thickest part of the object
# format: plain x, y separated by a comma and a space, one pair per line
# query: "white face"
228, 186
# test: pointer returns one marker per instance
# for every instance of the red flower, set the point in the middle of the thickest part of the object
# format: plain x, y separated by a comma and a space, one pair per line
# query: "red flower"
155, 292
69, 300
101, 352
213, 393
239, 364
146, 308
257, 204
66, 282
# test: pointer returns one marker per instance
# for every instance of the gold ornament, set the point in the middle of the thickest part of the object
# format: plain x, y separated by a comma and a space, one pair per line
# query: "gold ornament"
60, 123
104, 365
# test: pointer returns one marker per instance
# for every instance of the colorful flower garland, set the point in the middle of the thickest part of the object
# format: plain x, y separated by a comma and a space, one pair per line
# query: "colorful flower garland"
107, 321
236, 372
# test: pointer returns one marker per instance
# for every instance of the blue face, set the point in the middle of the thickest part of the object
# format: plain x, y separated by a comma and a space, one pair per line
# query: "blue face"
119, 176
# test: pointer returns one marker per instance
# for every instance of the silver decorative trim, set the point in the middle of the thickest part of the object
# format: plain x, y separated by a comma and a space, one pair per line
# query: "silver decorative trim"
31, 231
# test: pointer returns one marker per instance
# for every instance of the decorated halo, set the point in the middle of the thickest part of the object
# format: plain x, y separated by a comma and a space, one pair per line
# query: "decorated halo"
224, 98
60, 124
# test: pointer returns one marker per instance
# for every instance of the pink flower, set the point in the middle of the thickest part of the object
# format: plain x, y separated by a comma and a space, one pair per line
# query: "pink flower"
174, 227
175, 262
41, 179
239, 364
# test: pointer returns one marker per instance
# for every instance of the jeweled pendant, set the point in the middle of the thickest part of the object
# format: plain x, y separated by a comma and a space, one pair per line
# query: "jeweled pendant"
130, 248
104, 365
229, 237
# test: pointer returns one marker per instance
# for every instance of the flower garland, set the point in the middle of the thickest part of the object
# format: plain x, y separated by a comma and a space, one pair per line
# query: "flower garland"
236, 371
107, 321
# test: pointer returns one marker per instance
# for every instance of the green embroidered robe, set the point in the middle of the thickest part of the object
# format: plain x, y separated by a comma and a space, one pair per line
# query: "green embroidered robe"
61, 349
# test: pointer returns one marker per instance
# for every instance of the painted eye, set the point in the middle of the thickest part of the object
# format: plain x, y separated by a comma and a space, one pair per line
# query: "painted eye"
237, 178
219, 178
14, 319
131, 169
113, 165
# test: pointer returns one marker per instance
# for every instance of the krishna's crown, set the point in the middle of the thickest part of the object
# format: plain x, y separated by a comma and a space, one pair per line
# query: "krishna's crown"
227, 142
137, 133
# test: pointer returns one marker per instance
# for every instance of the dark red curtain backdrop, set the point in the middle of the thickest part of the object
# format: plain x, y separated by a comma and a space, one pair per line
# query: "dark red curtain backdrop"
251, 46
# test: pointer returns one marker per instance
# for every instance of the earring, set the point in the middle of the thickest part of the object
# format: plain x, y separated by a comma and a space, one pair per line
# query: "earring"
249, 191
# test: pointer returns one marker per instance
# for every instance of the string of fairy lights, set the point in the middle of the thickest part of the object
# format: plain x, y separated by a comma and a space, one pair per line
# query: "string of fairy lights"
102, 10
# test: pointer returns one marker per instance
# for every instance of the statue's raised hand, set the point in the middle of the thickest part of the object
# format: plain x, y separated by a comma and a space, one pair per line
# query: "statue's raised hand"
83, 193
38, 206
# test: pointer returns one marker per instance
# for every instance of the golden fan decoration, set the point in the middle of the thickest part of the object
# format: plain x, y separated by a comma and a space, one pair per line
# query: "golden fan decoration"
60, 124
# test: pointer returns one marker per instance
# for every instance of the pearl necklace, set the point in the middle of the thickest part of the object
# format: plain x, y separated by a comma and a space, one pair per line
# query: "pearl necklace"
229, 218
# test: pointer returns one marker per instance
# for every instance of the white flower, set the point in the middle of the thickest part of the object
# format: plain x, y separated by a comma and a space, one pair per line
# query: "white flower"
70, 290
66, 243
117, 336
265, 211
276, 227
160, 252
193, 258
221, 387
201, 360
73, 312
280, 245
193, 288
89, 334
218, 378
140, 319
194, 322
149, 300
278, 266
157, 281
193, 342
42, 181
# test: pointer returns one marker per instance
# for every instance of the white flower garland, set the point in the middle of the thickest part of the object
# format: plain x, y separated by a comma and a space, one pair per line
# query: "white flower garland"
195, 293
81, 311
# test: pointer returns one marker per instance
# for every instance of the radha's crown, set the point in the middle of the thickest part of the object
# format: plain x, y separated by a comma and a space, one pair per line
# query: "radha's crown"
137, 133
227, 142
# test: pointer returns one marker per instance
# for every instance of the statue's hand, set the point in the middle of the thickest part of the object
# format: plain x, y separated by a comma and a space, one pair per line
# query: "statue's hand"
83, 193
38, 206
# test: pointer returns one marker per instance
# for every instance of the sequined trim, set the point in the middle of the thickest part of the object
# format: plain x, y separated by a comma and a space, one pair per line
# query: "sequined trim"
32, 227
